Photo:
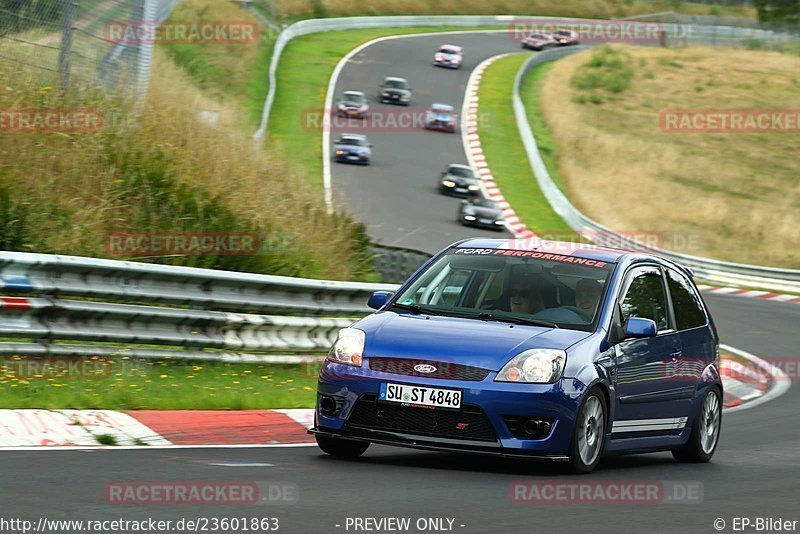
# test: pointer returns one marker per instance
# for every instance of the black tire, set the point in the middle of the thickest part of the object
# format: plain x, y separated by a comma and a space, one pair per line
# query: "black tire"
342, 448
594, 397
694, 451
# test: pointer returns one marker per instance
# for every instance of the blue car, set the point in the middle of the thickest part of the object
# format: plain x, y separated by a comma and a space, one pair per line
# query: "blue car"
529, 348
353, 148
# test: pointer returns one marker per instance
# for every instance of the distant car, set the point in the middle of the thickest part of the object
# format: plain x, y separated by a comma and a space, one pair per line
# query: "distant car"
352, 104
353, 148
539, 41
450, 56
459, 180
441, 117
481, 212
395, 90
565, 37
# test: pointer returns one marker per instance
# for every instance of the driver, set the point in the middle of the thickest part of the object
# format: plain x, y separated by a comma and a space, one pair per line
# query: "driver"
525, 296
587, 295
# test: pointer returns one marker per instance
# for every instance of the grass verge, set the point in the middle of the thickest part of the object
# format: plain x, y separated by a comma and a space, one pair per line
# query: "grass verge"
505, 152
130, 384
728, 195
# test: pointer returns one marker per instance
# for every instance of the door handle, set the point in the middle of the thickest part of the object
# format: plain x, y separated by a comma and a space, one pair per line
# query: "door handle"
675, 354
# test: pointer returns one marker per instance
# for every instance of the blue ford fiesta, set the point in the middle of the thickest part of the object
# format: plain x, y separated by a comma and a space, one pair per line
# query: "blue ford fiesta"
529, 348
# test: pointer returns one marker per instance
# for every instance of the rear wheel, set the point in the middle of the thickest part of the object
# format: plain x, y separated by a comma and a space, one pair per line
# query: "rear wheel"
342, 448
705, 431
589, 435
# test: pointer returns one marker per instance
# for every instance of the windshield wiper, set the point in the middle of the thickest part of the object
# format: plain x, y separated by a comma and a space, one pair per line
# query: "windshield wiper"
489, 316
416, 308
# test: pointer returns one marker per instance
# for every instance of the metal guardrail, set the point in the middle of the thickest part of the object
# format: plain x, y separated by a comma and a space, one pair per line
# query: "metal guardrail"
718, 272
673, 33
148, 310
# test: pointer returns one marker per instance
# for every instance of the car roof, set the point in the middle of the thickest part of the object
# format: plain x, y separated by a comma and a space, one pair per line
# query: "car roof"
442, 107
353, 93
394, 79
450, 47
458, 165
564, 248
352, 136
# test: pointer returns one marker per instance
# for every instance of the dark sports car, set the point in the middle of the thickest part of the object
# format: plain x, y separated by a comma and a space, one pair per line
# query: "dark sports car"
565, 37
395, 90
459, 180
539, 41
481, 212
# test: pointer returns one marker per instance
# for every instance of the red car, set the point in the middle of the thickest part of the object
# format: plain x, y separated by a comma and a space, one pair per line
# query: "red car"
539, 41
565, 37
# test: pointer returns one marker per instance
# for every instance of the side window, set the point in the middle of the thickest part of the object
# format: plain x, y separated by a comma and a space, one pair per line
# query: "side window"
688, 308
645, 298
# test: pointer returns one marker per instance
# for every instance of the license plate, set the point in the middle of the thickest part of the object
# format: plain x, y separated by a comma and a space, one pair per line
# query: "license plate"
422, 396
352, 157
486, 221
460, 190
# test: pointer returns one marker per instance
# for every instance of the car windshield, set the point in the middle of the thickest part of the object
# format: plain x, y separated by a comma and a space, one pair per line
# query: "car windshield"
537, 36
527, 287
463, 172
395, 84
483, 202
447, 51
354, 97
353, 141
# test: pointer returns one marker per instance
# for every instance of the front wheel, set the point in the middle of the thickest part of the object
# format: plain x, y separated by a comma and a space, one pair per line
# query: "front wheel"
589, 435
341, 448
705, 431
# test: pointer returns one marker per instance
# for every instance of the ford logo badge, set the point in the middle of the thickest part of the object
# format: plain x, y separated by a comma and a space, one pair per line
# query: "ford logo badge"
424, 368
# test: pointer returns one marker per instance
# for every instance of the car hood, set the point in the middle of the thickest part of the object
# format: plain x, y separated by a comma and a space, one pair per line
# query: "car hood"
484, 344
392, 90
351, 104
353, 149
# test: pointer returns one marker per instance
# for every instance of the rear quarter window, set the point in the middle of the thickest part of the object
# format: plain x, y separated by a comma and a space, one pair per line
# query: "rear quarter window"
689, 311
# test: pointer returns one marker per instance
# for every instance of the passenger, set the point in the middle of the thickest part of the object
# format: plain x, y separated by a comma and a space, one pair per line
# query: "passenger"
525, 296
587, 295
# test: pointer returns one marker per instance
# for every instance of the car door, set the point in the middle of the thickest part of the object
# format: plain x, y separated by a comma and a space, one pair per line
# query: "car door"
697, 337
650, 402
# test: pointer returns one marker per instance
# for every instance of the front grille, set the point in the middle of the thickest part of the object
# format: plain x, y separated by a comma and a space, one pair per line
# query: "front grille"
444, 370
469, 423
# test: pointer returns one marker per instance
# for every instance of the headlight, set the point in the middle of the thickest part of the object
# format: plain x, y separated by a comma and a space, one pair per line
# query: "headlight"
448, 183
339, 152
500, 222
474, 187
538, 366
469, 218
348, 347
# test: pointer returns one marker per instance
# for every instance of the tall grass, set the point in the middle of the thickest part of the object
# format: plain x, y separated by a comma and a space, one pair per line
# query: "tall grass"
160, 168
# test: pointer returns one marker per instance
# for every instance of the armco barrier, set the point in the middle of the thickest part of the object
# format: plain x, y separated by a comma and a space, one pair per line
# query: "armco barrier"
718, 272
121, 307
682, 34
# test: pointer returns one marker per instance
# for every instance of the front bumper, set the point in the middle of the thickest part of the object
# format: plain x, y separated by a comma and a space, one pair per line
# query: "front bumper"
440, 126
479, 224
497, 400
352, 158
447, 64
458, 191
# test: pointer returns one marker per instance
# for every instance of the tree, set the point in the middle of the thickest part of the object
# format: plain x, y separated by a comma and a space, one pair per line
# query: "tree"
780, 11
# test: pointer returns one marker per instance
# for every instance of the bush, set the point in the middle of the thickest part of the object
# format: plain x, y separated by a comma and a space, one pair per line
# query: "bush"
608, 70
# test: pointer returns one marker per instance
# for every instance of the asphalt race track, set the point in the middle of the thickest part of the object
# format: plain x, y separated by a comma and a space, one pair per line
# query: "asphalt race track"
396, 196
754, 473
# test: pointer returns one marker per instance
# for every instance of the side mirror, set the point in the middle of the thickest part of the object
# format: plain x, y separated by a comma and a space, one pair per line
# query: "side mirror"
337, 142
639, 327
378, 299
